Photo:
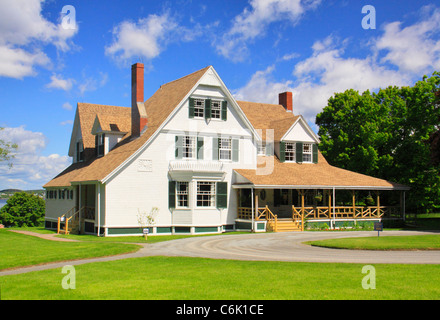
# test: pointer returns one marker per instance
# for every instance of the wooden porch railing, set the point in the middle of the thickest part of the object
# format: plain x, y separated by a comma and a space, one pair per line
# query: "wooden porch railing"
74, 214
262, 213
347, 212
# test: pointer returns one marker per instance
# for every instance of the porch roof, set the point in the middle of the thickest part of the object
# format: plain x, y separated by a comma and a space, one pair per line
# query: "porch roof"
309, 176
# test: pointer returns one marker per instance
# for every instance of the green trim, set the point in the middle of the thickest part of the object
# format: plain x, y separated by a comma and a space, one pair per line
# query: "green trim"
315, 153
182, 229
260, 226
299, 152
191, 108
111, 231
164, 230
205, 229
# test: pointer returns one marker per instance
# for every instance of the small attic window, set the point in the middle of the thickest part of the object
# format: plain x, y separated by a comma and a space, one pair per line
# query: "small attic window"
100, 144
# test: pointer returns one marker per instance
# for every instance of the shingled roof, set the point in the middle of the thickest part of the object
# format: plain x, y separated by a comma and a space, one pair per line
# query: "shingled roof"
311, 176
158, 108
266, 116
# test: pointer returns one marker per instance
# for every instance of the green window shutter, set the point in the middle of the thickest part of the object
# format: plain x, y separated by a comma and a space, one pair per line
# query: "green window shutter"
171, 194
315, 153
222, 195
235, 150
200, 148
208, 109
215, 149
282, 151
224, 110
179, 147
299, 152
191, 108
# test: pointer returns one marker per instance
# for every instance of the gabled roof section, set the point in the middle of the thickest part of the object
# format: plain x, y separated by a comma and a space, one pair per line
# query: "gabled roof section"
265, 116
158, 109
86, 114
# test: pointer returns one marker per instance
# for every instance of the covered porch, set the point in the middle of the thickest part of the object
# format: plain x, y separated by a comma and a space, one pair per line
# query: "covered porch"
288, 208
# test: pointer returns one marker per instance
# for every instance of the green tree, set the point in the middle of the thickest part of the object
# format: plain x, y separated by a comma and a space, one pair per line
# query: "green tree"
389, 134
23, 209
6, 149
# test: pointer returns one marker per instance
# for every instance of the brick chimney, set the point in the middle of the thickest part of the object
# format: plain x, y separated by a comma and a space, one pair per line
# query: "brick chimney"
285, 99
138, 112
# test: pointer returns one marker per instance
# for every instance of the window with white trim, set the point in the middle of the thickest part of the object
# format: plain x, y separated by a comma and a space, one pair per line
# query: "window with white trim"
205, 194
290, 151
307, 152
225, 149
261, 148
182, 194
216, 109
199, 108
189, 147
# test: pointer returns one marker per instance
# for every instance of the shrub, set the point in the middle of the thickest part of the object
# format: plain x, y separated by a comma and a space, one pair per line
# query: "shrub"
23, 210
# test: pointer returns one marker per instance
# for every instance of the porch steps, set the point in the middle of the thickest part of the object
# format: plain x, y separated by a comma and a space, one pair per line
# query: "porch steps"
283, 225
73, 227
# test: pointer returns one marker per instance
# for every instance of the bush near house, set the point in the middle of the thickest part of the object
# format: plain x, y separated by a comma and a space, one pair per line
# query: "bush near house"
23, 210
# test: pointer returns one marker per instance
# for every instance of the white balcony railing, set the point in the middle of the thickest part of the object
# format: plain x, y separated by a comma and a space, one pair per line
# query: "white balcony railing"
196, 166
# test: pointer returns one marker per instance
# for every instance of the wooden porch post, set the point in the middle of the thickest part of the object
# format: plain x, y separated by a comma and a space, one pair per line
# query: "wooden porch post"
256, 206
378, 203
329, 204
353, 192
302, 202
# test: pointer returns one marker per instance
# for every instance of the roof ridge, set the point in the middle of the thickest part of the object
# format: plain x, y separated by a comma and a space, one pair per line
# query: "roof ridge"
188, 75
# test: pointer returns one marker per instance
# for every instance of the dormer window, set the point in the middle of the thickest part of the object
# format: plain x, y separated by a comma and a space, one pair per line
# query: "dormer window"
207, 109
307, 152
100, 144
79, 151
299, 152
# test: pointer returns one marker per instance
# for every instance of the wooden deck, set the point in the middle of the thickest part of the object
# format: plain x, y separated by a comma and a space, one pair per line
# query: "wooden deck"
320, 213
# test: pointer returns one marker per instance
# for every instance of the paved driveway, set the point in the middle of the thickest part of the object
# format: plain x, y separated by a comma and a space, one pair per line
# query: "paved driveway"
288, 247
265, 247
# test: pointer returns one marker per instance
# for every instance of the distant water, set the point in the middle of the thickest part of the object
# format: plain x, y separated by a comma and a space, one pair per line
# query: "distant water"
2, 202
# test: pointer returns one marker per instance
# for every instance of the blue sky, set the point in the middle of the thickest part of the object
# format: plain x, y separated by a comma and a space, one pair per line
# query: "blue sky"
313, 48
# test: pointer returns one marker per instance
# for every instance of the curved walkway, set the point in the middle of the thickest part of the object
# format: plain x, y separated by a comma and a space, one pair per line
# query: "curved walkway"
286, 246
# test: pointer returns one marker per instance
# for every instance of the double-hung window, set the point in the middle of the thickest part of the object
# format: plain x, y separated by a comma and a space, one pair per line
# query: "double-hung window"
205, 194
307, 152
182, 194
199, 107
189, 147
216, 109
225, 149
290, 151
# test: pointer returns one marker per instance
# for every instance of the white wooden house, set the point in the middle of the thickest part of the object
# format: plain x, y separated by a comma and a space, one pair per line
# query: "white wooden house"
202, 162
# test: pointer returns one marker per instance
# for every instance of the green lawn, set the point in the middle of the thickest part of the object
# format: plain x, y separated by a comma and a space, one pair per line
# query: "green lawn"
179, 278
24, 250
422, 242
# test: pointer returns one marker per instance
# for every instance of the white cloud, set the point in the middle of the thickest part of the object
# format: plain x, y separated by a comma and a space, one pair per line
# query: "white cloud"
261, 88
30, 168
22, 26
148, 37
253, 22
57, 82
320, 76
413, 48
67, 106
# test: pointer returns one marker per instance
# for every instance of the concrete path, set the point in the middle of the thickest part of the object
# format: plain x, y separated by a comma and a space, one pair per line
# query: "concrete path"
265, 247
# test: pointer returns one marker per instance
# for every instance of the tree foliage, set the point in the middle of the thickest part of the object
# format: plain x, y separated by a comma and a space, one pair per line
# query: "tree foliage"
6, 149
23, 209
392, 134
